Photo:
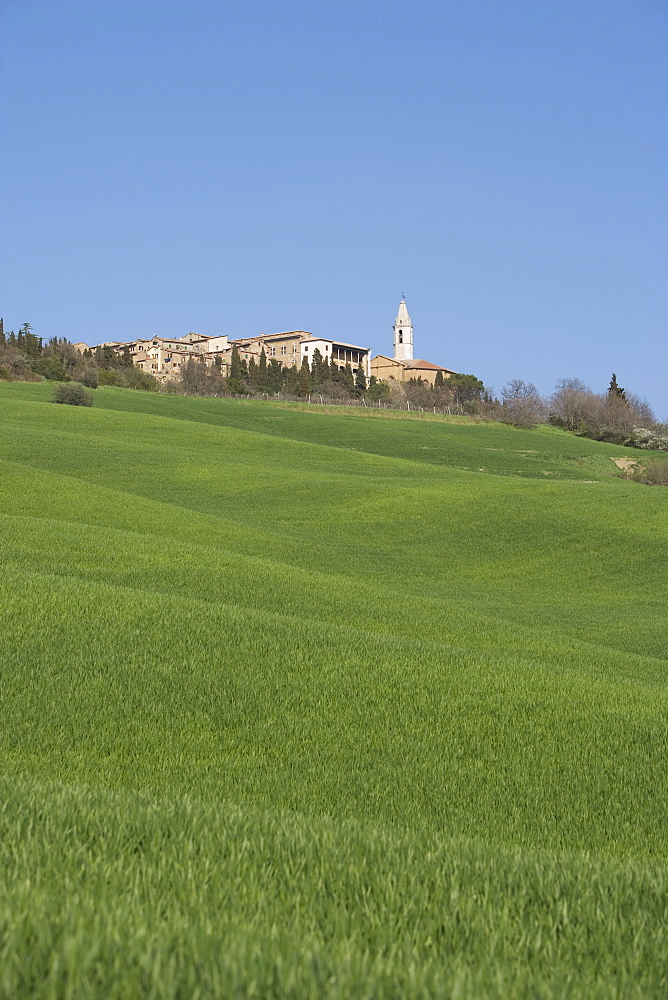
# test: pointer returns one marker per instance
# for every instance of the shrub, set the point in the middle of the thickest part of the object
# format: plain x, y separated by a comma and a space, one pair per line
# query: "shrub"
654, 473
643, 437
72, 393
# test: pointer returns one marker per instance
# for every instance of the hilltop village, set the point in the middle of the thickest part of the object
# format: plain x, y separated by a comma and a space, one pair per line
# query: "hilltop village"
166, 358
292, 364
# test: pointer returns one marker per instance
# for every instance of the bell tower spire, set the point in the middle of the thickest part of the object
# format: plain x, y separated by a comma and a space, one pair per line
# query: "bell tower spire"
403, 334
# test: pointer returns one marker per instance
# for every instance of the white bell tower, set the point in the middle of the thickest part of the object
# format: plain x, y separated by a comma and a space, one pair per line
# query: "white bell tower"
403, 334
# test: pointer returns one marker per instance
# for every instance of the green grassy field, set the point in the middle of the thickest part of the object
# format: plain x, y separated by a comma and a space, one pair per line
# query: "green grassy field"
326, 703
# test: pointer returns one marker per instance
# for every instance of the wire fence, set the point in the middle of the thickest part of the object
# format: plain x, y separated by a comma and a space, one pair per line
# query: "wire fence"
317, 399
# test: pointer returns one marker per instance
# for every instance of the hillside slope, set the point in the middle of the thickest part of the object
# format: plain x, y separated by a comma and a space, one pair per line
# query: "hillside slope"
390, 656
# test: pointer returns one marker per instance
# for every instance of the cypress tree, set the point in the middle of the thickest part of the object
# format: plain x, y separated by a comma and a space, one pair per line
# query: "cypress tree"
348, 380
335, 374
262, 374
275, 376
317, 374
304, 381
360, 381
291, 380
439, 381
235, 363
126, 357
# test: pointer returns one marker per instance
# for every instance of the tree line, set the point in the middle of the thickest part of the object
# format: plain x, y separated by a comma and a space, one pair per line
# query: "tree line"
26, 357
615, 415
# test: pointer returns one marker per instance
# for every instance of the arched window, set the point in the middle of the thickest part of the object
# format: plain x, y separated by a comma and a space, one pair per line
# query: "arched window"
401, 337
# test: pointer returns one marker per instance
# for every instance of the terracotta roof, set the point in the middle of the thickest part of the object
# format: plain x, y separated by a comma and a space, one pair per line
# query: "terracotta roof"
419, 363
414, 363
278, 336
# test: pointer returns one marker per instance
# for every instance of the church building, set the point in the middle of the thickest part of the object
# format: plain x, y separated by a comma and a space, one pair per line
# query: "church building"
402, 366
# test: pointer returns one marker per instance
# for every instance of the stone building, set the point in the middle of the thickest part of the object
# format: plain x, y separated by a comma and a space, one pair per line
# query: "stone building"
292, 347
166, 357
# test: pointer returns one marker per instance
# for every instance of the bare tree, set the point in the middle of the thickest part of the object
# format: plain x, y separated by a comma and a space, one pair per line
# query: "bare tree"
522, 404
571, 403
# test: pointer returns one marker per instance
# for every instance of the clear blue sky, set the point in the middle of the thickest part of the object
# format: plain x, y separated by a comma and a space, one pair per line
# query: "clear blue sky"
235, 167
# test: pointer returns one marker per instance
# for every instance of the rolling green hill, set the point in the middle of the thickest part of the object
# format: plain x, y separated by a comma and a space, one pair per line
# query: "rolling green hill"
326, 703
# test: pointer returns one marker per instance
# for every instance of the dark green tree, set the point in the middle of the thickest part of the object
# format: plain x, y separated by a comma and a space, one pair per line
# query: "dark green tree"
377, 390
360, 381
439, 381
318, 374
304, 381
54, 368
125, 358
235, 364
615, 391
275, 376
26, 341
109, 357
291, 380
348, 380
464, 388
262, 373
